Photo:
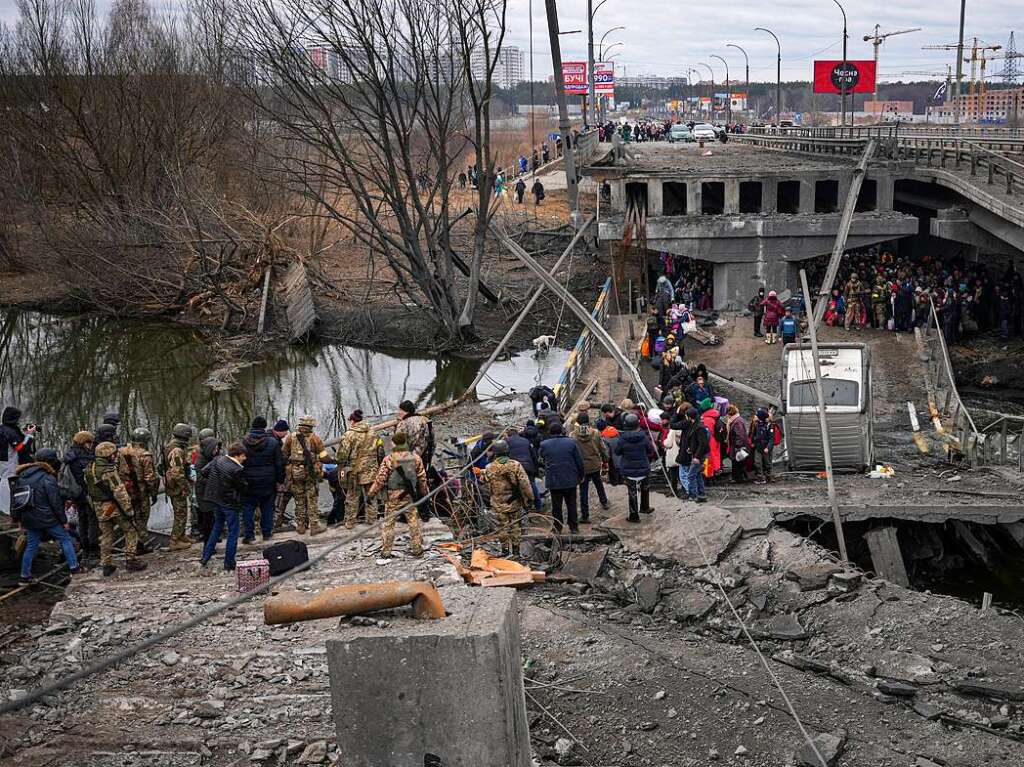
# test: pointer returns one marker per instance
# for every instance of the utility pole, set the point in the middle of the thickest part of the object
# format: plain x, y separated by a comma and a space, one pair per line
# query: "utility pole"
591, 89
826, 444
564, 126
959, 65
845, 64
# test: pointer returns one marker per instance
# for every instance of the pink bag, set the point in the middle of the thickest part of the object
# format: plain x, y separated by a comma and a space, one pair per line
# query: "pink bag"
251, 574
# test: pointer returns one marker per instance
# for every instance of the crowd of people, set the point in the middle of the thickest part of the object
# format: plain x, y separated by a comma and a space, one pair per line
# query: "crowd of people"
105, 486
878, 289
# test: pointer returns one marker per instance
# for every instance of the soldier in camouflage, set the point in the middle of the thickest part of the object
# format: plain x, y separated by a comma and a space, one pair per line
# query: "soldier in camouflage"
417, 429
144, 484
284, 491
403, 475
303, 456
113, 507
511, 493
357, 458
178, 483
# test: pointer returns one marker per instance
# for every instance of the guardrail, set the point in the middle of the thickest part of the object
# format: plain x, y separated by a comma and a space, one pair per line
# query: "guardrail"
890, 130
582, 351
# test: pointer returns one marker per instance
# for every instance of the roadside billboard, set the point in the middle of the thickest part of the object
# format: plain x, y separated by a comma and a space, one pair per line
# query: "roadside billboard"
604, 78
574, 73
859, 76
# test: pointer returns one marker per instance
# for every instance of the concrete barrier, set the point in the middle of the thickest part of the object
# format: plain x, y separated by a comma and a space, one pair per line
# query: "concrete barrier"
446, 692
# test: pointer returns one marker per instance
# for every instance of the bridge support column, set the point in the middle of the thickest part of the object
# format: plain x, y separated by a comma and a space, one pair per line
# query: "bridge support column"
732, 195
886, 556
736, 283
693, 198
655, 197
618, 196
769, 196
806, 196
886, 186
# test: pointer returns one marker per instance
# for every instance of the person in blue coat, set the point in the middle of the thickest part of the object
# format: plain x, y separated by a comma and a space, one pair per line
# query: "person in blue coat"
263, 474
563, 473
521, 448
635, 452
44, 513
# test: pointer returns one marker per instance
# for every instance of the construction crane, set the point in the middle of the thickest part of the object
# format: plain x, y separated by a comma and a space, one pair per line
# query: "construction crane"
978, 55
876, 40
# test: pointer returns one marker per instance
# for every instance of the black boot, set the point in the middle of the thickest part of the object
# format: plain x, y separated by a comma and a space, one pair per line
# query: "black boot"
109, 570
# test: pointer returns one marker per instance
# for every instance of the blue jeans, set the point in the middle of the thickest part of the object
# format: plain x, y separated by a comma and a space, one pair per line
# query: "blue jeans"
58, 533
537, 503
693, 480
223, 517
266, 506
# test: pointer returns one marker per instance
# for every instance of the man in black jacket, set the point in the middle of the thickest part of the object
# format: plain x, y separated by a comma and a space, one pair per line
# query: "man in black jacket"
16, 449
264, 471
225, 487
78, 457
45, 511
698, 445
521, 448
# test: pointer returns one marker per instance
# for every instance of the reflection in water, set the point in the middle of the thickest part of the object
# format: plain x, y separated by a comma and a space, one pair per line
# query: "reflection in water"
65, 373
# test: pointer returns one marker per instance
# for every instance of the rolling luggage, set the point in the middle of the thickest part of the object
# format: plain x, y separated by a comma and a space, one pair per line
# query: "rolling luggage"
285, 555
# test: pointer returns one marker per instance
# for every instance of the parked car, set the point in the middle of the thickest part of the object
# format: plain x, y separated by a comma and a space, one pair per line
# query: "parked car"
679, 132
704, 132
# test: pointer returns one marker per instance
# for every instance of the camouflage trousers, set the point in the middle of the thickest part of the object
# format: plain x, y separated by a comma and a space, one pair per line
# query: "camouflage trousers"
880, 320
140, 517
281, 506
307, 506
111, 520
509, 517
179, 506
398, 500
353, 493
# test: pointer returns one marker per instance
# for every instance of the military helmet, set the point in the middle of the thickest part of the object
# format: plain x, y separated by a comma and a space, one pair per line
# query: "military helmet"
204, 433
181, 431
631, 421
307, 420
141, 435
106, 450
499, 447
106, 432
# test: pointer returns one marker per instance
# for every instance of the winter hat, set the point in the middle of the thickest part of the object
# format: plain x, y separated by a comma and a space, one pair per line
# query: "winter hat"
762, 414
706, 404
691, 412
583, 419
281, 425
83, 438
399, 439
356, 416
556, 429
259, 422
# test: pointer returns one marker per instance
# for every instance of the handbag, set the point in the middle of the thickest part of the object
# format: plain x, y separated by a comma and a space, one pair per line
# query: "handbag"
741, 455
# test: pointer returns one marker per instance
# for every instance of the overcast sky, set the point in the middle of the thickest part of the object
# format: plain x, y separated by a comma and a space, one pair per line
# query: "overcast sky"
668, 36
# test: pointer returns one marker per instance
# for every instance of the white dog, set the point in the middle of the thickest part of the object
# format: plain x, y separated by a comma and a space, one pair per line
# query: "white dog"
542, 345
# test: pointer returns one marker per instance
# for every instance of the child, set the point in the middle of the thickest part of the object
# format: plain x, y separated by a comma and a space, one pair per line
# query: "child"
788, 327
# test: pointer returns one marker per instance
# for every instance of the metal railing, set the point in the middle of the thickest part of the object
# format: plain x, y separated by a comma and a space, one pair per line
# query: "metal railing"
1003, 442
583, 350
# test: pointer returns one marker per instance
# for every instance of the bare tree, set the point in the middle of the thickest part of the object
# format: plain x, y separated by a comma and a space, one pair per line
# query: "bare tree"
375, 106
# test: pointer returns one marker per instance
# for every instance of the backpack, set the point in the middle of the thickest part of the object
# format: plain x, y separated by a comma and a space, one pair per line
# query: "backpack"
21, 499
67, 484
428, 449
721, 433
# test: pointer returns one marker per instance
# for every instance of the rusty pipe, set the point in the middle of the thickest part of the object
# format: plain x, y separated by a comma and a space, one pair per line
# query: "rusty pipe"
354, 599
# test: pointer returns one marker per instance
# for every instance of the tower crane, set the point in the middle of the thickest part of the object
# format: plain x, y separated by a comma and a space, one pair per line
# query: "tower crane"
876, 40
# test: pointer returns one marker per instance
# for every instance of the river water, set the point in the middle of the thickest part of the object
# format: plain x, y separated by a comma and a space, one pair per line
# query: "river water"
64, 373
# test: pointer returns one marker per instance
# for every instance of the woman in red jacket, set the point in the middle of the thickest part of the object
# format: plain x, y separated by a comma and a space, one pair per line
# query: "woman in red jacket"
709, 416
773, 312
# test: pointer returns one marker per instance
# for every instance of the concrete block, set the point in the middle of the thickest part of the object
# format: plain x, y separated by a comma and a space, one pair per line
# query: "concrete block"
420, 692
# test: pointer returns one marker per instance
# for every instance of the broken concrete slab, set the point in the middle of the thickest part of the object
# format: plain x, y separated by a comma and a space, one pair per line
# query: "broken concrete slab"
753, 519
814, 575
648, 592
828, 745
688, 605
994, 690
382, 676
801, 662
886, 555
929, 711
847, 580
673, 536
897, 688
786, 627
905, 667
582, 567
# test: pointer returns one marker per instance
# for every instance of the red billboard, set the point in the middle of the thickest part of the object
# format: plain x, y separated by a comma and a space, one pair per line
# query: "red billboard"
859, 76
574, 73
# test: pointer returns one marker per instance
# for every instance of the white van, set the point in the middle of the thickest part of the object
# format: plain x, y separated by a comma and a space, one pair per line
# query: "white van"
849, 412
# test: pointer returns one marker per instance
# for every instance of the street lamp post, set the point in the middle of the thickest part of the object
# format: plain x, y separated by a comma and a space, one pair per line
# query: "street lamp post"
746, 59
778, 75
711, 92
842, 79
728, 91
591, 10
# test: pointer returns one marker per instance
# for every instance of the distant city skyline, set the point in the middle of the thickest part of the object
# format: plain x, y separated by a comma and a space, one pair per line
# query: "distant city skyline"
662, 40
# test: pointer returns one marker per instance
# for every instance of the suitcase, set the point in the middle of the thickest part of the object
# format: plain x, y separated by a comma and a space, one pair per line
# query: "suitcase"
721, 404
251, 574
285, 555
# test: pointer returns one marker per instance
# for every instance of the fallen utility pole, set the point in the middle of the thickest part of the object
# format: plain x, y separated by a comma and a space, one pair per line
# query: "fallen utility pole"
578, 309
757, 394
841, 236
826, 445
526, 309
564, 126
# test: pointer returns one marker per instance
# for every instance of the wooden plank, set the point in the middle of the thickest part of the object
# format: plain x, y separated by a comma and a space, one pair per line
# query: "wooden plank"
299, 307
886, 556
263, 303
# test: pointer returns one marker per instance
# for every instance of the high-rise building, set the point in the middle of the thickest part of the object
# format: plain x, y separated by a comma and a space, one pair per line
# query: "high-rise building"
997, 106
508, 70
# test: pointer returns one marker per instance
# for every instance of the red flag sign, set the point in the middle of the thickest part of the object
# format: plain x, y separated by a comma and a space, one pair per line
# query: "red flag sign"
859, 76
